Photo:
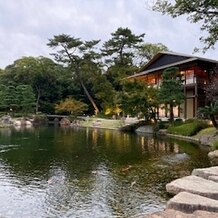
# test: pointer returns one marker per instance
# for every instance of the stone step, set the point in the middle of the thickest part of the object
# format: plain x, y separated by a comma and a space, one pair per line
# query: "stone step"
169, 213
206, 172
213, 178
188, 203
195, 185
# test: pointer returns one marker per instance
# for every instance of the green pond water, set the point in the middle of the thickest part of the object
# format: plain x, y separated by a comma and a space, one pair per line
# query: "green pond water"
69, 172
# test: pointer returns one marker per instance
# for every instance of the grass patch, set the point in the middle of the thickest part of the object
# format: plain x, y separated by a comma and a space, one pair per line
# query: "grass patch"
215, 145
209, 130
101, 123
188, 129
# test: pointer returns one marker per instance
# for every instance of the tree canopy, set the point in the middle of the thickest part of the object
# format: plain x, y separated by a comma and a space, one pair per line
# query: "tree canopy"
119, 54
85, 71
170, 92
148, 50
138, 99
201, 11
79, 56
71, 106
41, 74
17, 98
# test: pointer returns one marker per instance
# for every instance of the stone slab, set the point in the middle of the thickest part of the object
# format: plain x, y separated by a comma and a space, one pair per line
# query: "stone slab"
206, 172
188, 203
169, 213
195, 185
213, 178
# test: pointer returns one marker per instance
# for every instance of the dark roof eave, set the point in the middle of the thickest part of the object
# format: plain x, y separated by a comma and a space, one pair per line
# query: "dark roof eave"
176, 54
162, 67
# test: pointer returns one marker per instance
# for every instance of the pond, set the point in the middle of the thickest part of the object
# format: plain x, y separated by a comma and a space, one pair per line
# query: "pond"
79, 172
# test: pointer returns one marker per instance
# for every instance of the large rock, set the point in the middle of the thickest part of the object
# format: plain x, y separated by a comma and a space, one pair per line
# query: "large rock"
145, 129
65, 122
205, 172
213, 154
22, 122
213, 178
6, 120
188, 203
195, 185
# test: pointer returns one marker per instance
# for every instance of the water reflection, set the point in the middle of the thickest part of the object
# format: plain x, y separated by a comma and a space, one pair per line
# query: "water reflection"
65, 172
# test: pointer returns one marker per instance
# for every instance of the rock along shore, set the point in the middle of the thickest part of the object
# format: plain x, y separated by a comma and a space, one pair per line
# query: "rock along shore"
195, 196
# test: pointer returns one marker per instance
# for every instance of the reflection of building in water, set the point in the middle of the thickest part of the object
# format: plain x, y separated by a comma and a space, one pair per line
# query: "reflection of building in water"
94, 137
119, 141
156, 144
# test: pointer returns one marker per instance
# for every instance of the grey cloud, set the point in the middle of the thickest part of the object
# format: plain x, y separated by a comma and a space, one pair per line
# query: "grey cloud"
25, 25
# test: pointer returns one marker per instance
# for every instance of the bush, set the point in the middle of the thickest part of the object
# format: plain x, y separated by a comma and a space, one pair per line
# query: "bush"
40, 120
215, 145
188, 128
190, 120
161, 125
177, 122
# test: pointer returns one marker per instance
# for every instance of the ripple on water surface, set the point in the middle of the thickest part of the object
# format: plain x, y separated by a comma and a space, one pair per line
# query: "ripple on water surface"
88, 173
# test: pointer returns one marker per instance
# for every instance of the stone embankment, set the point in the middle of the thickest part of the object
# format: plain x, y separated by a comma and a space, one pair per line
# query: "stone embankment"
195, 196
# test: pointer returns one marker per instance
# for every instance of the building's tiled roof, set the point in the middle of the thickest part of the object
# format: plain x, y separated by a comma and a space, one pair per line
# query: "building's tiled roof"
167, 59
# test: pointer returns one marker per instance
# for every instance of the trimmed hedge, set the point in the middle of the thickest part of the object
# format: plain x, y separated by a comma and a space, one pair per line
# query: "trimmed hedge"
188, 129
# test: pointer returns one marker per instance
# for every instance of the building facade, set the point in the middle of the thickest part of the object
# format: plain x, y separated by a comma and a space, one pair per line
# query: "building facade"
196, 73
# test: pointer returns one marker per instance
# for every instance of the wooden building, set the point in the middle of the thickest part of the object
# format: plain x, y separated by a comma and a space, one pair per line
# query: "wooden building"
196, 73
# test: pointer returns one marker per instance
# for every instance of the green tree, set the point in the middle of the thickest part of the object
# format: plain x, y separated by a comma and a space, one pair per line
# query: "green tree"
3, 89
71, 106
137, 98
11, 99
26, 98
210, 111
148, 50
171, 90
77, 55
211, 90
201, 11
103, 90
41, 74
119, 53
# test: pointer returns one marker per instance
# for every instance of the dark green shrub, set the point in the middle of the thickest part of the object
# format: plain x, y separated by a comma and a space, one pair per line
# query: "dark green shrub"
188, 129
178, 122
40, 120
161, 125
191, 120
215, 145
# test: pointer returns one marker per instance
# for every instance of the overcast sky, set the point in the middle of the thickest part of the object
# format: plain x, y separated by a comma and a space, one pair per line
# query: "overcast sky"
26, 25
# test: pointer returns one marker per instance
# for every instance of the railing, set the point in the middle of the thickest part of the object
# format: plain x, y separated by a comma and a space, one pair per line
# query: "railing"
195, 80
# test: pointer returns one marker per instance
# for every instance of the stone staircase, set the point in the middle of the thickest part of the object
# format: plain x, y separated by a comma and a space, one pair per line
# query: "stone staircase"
195, 196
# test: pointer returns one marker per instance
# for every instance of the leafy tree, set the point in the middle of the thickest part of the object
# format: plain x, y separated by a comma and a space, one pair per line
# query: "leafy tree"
26, 98
210, 111
104, 91
170, 92
11, 99
71, 106
120, 46
148, 50
17, 98
3, 89
41, 74
137, 98
211, 90
77, 55
203, 11
119, 54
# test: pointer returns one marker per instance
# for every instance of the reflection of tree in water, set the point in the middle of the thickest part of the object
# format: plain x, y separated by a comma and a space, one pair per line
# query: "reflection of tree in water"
79, 168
